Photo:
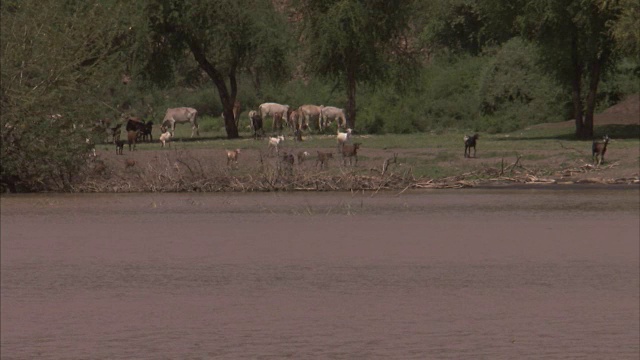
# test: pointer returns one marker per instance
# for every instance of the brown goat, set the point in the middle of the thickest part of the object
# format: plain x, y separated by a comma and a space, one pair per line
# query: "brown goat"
598, 149
232, 156
288, 159
350, 151
323, 158
132, 137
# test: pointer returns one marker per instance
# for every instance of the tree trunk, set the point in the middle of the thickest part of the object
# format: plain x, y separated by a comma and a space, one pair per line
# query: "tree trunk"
226, 99
351, 99
576, 83
594, 80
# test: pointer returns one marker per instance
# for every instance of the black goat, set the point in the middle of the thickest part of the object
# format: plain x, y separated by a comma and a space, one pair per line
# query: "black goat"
470, 142
256, 124
119, 146
145, 133
598, 148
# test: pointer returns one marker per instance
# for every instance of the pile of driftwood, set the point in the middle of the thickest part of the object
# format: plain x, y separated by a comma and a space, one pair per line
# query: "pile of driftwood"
189, 175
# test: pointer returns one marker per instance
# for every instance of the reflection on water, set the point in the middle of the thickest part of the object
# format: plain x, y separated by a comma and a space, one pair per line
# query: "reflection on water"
461, 274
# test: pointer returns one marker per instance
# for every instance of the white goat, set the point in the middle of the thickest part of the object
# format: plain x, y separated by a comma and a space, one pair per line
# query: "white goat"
274, 142
165, 138
342, 138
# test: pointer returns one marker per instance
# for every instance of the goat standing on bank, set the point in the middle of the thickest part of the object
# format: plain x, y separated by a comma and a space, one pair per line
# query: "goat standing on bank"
302, 156
342, 138
165, 137
119, 146
350, 151
598, 148
232, 156
274, 142
470, 142
323, 159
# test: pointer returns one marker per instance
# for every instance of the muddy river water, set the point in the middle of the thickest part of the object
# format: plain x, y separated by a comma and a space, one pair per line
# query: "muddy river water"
464, 274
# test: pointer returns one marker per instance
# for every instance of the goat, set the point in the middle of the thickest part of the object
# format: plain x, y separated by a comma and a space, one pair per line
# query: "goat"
145, 133
99, 167
323, 158
350, 151
165, 137
598, 148
343, 137
114, 132
91, 147
119, 146
232, 156
132, 137
302, 156
274, 142
470, 142
288, 159
256, 123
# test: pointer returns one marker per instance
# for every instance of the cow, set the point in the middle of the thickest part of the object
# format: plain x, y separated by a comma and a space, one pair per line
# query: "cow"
135, 124
181, 115
310, 114
331, 113
236, 112
271, 109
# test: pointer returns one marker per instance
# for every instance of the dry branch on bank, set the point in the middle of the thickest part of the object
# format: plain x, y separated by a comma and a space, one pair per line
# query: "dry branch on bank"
179, 172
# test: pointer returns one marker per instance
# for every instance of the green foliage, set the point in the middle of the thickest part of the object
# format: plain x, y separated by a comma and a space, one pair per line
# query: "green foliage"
57, 58
514, 92
352, 41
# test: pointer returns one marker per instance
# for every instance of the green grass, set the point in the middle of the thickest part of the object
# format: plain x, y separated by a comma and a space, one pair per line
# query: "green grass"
531, 144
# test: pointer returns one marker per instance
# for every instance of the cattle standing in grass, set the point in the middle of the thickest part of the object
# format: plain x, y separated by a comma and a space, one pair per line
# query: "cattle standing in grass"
310, 114
330, 114
271, 109
236, 112
598, 149
181, 115
470, 142
132, 137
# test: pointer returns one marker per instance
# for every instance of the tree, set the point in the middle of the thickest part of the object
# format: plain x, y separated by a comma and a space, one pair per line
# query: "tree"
57, 59
576, 45
224, 37
354, 41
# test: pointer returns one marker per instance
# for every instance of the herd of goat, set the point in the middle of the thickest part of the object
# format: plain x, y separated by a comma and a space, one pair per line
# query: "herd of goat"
298, 120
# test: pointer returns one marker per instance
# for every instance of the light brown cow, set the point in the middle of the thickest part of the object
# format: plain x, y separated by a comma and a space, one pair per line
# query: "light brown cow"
310, 114
181, 115
271, 109
332, 113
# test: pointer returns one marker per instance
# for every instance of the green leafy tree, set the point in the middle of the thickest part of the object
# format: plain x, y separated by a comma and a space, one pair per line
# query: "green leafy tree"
356, 41
576, 42
58, 58
225, 37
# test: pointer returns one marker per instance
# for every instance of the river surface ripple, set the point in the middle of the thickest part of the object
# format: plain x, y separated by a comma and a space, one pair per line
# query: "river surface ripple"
465, 274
